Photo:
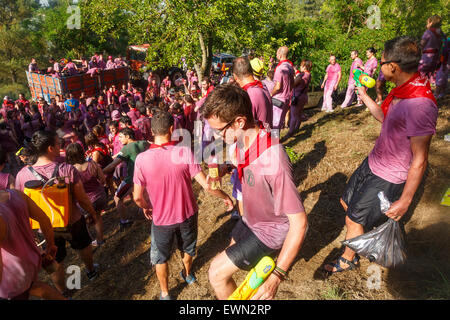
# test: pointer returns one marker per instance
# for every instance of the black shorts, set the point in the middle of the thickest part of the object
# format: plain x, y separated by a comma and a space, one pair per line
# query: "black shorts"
248, 249
100, 204
361, 196
124, 190
162, 239
78, 237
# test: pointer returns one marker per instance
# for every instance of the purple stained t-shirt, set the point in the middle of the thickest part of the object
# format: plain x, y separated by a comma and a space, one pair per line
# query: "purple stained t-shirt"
333, 72
4, 181
357, 62
19, 254
370, 66
261, 104
302, 88
168, 182
46, 171
284, 74
391, 156
269, 194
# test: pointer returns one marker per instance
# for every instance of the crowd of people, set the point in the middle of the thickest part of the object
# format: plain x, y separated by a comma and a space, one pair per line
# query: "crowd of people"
119, 145
67, 67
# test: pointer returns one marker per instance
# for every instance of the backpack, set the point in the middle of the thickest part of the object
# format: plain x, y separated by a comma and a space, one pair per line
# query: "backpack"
55, 199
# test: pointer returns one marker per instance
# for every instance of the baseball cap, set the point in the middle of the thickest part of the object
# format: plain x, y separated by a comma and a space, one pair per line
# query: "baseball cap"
115, 115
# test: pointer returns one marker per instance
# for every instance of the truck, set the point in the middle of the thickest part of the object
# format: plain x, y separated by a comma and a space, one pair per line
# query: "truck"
47, 87
139, 70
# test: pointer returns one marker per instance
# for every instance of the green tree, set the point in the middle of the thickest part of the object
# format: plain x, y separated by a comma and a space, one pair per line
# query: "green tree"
192, 29
17, 41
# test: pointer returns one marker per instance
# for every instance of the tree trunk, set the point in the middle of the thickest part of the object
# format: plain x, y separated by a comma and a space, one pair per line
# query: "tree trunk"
203, 70
13, 77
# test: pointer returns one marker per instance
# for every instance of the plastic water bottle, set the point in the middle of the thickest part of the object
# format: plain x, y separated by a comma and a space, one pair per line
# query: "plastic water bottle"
213, 172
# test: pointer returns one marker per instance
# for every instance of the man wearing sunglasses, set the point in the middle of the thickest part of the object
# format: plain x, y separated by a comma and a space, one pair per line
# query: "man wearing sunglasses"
398, 160
274, 220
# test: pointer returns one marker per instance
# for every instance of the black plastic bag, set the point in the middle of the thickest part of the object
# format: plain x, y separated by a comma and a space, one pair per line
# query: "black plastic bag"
384, 245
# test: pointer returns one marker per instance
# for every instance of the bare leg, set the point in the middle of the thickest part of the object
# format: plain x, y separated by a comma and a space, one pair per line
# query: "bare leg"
353, 230
44, 291
58, 278
187, 263
162, 272
99, 227
221, 273
120, 208
87, 257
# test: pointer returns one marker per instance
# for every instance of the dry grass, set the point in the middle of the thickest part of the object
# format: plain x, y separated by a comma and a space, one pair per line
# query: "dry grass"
330, 148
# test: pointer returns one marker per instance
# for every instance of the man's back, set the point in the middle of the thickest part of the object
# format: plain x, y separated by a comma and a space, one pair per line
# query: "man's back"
129, 154
284, 74
166, 173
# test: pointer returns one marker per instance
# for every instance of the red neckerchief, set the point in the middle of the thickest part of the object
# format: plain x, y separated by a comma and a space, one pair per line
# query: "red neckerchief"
210, 89
282, 61
416, 87
170, 143
255, 83
434, 30
261, 144
99, 149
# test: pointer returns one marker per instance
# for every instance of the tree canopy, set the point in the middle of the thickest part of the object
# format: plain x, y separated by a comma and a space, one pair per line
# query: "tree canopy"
195, 29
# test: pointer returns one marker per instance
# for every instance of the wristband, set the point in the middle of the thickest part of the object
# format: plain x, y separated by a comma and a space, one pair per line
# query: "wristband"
284, 273
279, 275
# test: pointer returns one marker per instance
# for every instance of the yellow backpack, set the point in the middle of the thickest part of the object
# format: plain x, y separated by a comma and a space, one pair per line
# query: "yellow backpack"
53, 198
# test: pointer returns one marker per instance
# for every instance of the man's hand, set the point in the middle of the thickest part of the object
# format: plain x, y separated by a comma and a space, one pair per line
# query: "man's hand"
398, 209
268, 289
51, 251
229, 203
361, 91
148, 213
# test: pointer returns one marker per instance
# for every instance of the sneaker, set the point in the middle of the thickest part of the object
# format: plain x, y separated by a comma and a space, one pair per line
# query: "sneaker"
235, 214
189, 279
358, 105
168, 297
95, 243
93, 274
125, 224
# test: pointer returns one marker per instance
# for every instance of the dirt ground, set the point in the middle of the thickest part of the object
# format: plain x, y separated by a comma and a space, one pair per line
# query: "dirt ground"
330, 146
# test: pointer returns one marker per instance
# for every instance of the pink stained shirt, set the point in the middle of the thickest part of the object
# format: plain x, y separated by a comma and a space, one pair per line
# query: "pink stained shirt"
20, 256
110, 64
284, 74
133, 114
391, 156
333, 72
370, 66
117, 145
261, 104
302, 88
269, 84
269, 193
4, 181
166, 173
357, 62
46, 171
